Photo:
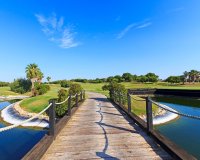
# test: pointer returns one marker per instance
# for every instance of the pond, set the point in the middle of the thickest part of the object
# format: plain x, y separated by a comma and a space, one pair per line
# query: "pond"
15, 143
183, 131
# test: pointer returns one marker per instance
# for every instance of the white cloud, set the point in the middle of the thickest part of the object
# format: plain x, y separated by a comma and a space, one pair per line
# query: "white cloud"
133, 26
56, 31
178, 9
144, 25
124, 31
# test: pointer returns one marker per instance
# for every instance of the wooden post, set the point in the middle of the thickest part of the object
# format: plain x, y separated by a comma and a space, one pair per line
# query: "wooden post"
77, 100
120, 100
52, 117
84, 94
129, 102
69, 105
149, 115
81, 95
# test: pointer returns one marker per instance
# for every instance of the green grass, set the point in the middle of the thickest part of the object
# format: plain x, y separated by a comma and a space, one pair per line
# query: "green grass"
160, 85
5, 91
188, 101
94, 87
38, 103
138, 106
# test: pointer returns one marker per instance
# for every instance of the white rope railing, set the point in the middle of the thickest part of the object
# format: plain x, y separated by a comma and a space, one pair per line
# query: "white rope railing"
59, 103
174, 111
36, 116
74, 95
25, 121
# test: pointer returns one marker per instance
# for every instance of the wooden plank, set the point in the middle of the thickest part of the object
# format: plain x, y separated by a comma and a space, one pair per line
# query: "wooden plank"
100, 131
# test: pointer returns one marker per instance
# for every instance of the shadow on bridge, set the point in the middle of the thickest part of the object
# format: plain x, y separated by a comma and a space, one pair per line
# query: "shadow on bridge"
136, 129
103, 153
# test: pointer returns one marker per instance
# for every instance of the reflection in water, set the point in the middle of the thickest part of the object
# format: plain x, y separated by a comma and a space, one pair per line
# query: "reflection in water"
15, 143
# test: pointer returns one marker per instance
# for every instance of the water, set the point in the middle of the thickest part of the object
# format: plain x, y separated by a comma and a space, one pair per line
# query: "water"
184, 131
15, 143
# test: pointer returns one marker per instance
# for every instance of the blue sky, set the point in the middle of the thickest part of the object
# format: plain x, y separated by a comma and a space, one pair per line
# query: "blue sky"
98, 38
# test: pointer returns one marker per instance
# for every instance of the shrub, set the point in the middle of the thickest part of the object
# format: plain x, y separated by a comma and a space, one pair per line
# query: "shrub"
21, 86
61, 109
174, 79
117, 88
65, 84
4, 84
75, 88
41, 89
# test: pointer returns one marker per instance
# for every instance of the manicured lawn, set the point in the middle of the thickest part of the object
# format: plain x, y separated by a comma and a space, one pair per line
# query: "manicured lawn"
132, 85
5, 91
94, 87
138, 106
38, 103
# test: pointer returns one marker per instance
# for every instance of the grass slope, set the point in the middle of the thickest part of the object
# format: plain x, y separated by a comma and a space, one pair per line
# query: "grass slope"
94, 87
5, 91
38, 103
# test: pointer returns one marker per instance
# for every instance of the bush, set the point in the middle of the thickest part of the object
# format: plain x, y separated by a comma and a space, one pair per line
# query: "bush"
61, 109
115, 87
4, 84
75, 88
41, 89
80, 80
65, 84
21, 86
173, 79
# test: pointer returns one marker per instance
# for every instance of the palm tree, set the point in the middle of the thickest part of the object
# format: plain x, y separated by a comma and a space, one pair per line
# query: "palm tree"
193, 75
48, 79
185, 75
40, 76
32, 72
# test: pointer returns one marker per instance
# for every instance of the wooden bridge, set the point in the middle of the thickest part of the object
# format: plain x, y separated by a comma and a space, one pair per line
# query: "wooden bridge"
98, 130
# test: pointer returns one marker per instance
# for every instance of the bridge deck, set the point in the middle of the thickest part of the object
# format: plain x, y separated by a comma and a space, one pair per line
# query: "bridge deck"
99, 131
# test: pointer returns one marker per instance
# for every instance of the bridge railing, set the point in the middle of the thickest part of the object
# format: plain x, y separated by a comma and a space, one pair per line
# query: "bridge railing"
71, 101
141, 109
55, 123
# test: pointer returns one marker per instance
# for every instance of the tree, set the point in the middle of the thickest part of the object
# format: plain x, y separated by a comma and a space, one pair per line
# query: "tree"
151, 77
127, 77
33, 73
193, 74
48, 79
20, 85
142, 78
110, 79
40, 76
65, 83
118, 78
174, 79
185, 75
